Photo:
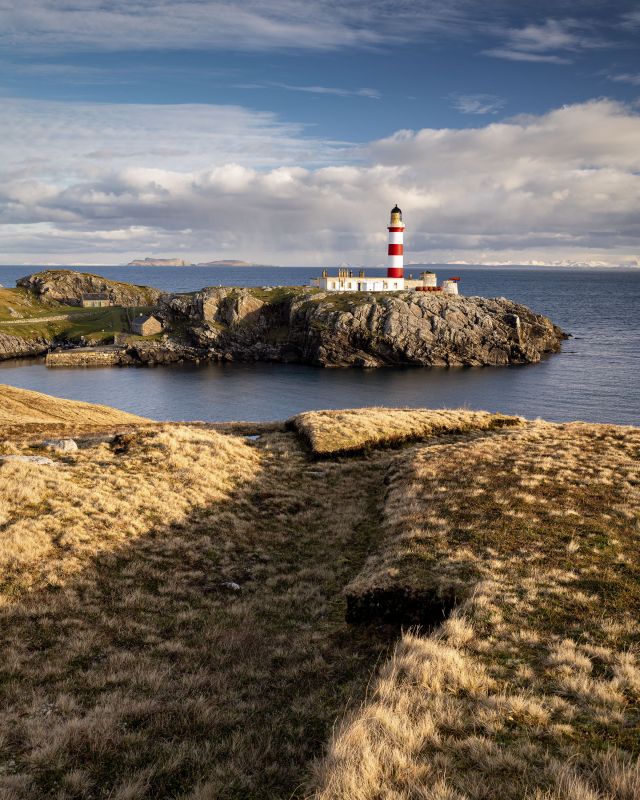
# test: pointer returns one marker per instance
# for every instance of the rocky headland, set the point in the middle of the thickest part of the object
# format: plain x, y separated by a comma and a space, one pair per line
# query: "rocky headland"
20, 347
302, 325
358, 330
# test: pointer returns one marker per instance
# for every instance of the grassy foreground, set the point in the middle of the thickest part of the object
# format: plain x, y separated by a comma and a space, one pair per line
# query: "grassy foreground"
173, 603
531, 689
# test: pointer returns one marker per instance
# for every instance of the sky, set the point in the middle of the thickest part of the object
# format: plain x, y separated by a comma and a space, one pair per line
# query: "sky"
283, 131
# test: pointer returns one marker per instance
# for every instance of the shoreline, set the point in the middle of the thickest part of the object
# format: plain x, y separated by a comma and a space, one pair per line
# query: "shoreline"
223, 392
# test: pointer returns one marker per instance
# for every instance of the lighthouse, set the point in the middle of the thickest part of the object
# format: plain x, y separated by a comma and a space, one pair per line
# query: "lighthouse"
396, 244
347, 281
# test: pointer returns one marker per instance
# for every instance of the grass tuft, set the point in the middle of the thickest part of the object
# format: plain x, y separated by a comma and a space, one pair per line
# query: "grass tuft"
331, 433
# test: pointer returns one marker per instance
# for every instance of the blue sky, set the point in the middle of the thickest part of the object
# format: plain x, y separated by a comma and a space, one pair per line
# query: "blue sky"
132, 128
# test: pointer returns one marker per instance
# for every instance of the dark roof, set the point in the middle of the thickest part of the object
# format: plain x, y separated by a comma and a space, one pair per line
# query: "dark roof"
144, 318
396, 210
96, 296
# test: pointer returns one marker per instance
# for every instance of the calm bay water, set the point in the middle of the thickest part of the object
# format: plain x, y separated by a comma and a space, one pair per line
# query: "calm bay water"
596, 377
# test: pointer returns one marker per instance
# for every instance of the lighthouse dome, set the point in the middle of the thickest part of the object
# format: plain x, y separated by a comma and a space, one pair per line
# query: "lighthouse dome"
396, 210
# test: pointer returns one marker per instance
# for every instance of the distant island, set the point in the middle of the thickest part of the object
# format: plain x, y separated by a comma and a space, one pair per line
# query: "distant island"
159, 262
180, 262
228, 262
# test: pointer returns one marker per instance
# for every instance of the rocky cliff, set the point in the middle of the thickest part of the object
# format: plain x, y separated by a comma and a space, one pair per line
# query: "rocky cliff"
67, 287
365, 330
292, 324
17, 347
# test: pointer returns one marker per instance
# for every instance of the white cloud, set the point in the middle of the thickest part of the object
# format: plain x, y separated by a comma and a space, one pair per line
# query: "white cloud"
626, 77
225, 181
631, 19
84, 138
250, 25
518, 55
261, 25
477, 103
336, 91
552, 35
544, 42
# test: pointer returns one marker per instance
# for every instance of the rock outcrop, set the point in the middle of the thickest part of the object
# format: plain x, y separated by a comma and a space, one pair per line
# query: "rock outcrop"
67, 287
16, 347
61, 445
364, 330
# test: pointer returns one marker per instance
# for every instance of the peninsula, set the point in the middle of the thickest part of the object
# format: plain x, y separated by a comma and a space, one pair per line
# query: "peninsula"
371, 603
285, 324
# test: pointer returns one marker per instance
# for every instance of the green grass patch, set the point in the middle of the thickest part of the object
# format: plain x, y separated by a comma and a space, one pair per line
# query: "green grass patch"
280, 294
99, 325
23, 304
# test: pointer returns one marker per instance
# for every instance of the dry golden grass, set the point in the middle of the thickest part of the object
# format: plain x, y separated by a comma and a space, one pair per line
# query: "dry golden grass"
24, 407
335, 432
531, 689
56, 517
130, 669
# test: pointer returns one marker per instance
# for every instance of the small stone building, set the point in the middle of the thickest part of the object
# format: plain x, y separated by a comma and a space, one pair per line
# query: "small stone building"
146, 325
96, 300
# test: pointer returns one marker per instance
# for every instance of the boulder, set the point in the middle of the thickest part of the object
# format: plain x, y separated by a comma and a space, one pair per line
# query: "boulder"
217, 306
61, 445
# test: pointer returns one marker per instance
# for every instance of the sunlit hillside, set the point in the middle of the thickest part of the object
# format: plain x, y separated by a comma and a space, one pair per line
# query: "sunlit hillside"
23, 407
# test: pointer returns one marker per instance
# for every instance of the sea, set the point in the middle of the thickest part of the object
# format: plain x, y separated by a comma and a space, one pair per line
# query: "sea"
595, 378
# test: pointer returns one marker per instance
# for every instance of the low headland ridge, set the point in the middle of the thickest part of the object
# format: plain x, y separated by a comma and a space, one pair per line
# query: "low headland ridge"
180, 262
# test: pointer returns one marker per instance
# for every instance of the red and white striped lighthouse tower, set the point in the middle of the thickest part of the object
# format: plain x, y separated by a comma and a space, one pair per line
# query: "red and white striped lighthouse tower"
396, 245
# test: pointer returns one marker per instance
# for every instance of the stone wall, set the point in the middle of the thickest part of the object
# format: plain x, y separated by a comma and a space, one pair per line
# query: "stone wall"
84, 358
